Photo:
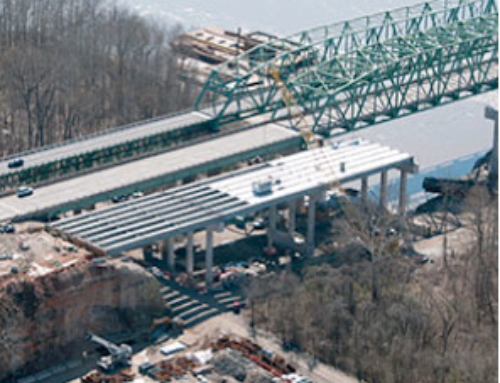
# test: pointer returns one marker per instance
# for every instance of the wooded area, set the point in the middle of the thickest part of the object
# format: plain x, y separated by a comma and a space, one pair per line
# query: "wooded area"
74, 67
372, 312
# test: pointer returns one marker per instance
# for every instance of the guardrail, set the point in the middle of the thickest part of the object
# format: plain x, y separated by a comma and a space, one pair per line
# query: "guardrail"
99, 134
99, 158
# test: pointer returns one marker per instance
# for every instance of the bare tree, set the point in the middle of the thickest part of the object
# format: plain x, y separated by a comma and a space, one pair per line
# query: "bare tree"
73, 67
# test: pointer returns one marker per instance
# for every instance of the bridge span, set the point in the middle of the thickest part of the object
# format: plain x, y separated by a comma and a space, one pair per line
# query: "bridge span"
343, 77
211, 204
150, 173
103, 149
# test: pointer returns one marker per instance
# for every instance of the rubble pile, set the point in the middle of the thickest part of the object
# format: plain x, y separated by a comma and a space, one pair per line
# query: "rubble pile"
172, 368
99, 377
274, 364
231, 363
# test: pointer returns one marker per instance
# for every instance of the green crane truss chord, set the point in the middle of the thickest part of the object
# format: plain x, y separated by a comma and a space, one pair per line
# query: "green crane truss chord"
356, 73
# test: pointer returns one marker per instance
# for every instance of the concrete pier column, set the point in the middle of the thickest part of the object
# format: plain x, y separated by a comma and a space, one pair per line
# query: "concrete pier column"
383, 189
168, 253
271, 230
292, 215
190, 254
209, 257
364, 191
164, 252
402, 192
311, 223
147, 251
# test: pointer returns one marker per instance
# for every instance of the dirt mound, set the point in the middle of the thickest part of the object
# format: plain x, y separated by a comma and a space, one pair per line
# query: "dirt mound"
43, 320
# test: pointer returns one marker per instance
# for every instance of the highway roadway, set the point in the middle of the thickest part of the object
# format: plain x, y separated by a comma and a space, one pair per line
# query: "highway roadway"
149, 173
106, 139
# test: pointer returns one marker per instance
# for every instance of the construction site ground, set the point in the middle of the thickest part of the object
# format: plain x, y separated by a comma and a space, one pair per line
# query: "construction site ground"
33, 251
207, 317
457, 240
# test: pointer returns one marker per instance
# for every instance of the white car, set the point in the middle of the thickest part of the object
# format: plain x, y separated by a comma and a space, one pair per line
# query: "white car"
137, 194
295, 378
24, 191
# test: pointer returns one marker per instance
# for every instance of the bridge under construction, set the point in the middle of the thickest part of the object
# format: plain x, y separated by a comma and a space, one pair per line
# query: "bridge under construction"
211, 204
342, 77
332, 79
255, 206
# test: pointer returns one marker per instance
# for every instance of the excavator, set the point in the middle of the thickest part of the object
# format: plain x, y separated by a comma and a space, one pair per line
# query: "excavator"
118, 355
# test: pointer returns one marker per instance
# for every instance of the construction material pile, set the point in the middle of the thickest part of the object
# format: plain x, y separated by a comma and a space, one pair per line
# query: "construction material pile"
272, 363
231, 363
99, 377
172, 368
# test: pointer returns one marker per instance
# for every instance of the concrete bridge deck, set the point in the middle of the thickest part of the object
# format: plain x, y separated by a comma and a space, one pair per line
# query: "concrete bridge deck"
149, 173
104, 140
215, 201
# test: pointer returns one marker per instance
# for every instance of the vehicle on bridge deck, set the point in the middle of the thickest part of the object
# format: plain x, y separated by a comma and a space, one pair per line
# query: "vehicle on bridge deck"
15, 163
24, 191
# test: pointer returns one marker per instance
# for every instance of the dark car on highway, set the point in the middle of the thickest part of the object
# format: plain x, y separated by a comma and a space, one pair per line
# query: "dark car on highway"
15, 163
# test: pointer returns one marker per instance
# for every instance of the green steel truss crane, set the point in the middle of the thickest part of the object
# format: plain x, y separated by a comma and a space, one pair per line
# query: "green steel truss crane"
357, 73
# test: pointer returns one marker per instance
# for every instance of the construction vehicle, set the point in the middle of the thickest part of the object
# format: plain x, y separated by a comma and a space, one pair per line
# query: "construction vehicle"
118, 355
